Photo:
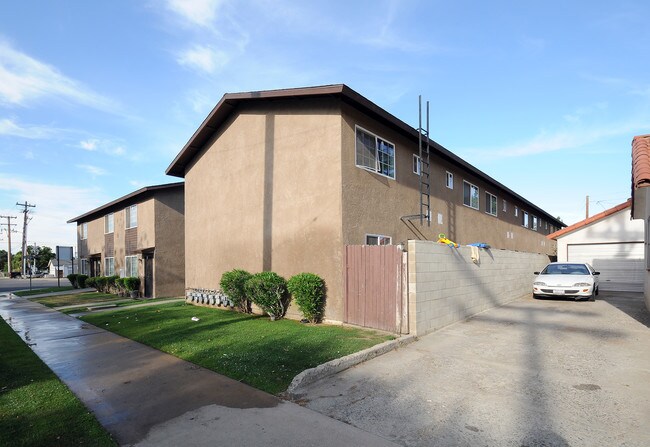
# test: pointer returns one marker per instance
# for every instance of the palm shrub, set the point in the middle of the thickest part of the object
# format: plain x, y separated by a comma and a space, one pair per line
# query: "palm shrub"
233, 284
269, 291
82, 281
308, 291
72, 277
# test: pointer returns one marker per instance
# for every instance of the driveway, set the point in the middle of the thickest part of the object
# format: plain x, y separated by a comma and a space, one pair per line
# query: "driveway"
531, 373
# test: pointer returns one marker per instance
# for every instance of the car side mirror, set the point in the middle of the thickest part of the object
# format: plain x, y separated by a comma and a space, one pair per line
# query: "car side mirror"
535, 273
596, 273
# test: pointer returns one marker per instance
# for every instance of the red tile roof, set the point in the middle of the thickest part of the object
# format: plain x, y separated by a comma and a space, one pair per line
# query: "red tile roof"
640, 161
590, 220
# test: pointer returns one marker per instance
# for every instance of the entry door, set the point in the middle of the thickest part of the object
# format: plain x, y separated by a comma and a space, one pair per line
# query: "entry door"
148, 275
95, 267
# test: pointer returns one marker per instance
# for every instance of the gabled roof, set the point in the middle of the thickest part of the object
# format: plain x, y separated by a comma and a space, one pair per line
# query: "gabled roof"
230, 101
140, 194
592, 219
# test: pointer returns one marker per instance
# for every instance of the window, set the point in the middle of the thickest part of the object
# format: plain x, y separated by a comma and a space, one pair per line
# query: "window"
505, 206
490, 204
377, 239
470, 195
109, 266
84, 267
131, 216
84, 231
534, 223
131, 263
108, 223
417, 164
375, 154
450, 180
516, 212
525, 219
546, 225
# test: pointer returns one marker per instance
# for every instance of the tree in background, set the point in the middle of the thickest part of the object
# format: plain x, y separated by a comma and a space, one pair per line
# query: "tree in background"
16, 262
43, 256
3, 260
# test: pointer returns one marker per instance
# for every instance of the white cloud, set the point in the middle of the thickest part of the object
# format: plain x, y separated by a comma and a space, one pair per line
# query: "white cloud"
24, 79
55, 204
92, 170
196, 12
11, 128
203, 58
89, 145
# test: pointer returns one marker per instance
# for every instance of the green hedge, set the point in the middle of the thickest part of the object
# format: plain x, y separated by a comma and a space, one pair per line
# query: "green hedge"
308, 291
268, 290
233, 284
73, 280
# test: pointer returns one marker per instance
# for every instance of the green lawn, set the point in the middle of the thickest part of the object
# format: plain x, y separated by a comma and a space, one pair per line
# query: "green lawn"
252, 349
36, 409
82, 308
78, 298
44, 290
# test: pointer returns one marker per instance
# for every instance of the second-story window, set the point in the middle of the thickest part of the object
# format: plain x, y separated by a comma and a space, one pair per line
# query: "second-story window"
84, 231
131, 216
516, 212
535, 223
505, 206
525, 219
490, 204
108, 223
470, 195
450, 180
417, 164
375, 154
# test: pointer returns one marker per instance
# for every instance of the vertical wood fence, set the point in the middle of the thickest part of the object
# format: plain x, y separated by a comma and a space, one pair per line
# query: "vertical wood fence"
375, 287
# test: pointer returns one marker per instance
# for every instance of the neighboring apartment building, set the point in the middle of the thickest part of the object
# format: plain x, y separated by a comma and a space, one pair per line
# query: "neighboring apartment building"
140, 234
282, 180
641, 199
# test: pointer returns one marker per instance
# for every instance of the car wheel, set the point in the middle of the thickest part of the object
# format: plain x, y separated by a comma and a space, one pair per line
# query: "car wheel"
597, 290
592, 297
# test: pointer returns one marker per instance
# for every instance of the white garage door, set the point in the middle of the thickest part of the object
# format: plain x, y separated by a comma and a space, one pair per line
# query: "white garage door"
621, 265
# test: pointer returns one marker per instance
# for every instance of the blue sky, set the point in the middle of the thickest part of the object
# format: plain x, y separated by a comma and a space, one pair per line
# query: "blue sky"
96, 98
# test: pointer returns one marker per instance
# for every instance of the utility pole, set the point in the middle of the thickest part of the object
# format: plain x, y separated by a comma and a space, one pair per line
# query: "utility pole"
587, 208
9, 225
25, 211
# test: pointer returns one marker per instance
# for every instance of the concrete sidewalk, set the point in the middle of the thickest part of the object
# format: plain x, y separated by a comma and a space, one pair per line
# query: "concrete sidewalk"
146, 397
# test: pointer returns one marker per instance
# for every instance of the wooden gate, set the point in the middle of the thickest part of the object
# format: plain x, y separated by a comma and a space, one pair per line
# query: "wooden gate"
375, 287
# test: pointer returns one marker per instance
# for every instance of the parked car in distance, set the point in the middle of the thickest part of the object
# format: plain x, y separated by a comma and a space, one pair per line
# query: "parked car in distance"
567, 279
15, 275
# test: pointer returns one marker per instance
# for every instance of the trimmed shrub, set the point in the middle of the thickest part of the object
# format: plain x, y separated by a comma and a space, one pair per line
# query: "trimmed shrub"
82, 281
111, 284
308, 291
269, 291
121, 288
91, 282
72, 277
132, 283
233, 284
100, 283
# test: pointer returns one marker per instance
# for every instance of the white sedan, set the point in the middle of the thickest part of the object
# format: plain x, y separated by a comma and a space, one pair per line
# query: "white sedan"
567, 279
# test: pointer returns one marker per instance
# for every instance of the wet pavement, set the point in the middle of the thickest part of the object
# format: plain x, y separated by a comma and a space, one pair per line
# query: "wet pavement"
144, 396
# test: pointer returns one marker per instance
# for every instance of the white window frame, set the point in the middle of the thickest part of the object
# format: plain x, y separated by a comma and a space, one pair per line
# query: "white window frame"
534, 222
516, 211
381, 239
109, 218
107, 271
133, 260
85, 266
505, 206
449, 182
417, 164
491, 199
546, 224
478, 195
128, 214
84, 231
524, 219
377, 167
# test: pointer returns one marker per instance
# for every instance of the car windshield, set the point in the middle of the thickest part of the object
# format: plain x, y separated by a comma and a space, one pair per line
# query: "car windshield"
565, 269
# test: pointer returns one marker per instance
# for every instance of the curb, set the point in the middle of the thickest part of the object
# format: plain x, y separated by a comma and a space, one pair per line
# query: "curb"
332, 367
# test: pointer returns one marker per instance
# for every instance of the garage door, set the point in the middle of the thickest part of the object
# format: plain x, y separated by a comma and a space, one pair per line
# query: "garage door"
621, 266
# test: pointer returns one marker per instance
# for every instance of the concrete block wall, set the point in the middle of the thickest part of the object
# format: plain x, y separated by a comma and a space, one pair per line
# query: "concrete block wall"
445, 286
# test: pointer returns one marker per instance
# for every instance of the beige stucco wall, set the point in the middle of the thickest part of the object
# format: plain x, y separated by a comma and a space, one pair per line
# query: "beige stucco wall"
169, 257
266, 195
373, 204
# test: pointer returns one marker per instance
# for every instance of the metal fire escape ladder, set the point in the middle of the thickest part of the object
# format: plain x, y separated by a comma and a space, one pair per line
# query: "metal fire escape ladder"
425, 167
